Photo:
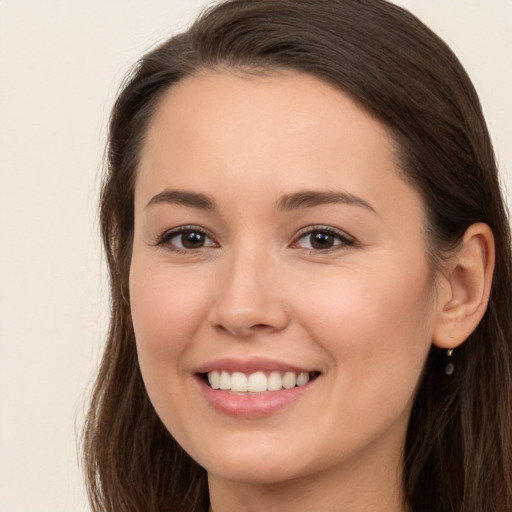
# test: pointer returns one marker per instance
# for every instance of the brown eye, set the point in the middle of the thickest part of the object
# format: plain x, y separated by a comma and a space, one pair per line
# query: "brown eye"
186, 239
323, 239
192, 239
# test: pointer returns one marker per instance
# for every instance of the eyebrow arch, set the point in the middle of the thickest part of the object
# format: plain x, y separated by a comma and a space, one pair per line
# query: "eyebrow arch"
184, 198
312, 198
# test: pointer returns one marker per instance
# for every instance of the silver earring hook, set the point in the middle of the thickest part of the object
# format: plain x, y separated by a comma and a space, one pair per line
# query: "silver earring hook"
449, 367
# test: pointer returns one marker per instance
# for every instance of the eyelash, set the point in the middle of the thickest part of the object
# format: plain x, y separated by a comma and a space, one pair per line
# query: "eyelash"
343, 239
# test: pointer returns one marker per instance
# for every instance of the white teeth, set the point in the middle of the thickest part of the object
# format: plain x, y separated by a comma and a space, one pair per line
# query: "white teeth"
275, 383
214, 379
225, 381
302, 379
256, 382
238, 382
289, 380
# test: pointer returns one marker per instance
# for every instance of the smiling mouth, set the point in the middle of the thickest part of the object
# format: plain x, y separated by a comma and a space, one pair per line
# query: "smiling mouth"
256, 382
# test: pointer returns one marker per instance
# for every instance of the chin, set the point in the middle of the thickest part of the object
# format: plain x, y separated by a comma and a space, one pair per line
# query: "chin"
253, 473
254, 463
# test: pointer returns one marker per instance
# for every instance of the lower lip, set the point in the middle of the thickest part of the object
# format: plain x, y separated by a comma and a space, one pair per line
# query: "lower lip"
252, 406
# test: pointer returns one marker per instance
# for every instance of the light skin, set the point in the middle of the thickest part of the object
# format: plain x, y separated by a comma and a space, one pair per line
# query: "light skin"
256, 165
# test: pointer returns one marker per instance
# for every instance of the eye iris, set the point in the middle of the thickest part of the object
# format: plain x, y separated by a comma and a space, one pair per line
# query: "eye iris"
321, 240
192, 239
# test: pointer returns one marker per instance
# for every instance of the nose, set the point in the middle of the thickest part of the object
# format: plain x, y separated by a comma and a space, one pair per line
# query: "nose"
249, 300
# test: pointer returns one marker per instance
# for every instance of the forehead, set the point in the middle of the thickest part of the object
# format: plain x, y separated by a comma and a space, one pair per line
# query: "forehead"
235, 106
243, 132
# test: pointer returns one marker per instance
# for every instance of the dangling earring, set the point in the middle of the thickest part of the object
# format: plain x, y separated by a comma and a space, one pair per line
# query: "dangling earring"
449, 367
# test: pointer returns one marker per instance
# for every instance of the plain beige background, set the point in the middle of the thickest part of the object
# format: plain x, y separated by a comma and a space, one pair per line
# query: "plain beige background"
61, 63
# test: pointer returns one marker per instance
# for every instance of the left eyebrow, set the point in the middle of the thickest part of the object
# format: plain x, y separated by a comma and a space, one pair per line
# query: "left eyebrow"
184, 198
312, 198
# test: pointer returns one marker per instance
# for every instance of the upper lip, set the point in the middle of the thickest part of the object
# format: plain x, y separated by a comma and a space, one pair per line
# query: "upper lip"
250, 366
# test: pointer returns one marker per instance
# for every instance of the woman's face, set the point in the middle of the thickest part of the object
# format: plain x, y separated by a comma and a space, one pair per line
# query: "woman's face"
275, 241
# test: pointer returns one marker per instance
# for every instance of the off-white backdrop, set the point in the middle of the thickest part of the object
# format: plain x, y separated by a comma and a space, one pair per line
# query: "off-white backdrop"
60, 65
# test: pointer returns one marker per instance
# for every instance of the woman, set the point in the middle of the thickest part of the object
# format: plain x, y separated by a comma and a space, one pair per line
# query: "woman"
302, 220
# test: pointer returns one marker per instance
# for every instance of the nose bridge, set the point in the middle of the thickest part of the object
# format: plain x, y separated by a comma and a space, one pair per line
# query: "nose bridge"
248, 298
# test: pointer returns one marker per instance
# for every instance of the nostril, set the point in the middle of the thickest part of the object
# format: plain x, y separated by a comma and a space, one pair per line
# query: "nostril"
244, 317
244, 332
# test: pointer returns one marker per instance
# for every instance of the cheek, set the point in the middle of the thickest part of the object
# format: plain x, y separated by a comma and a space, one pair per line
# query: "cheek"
167, 310
165, 305
389, 296
370, 313
376, 327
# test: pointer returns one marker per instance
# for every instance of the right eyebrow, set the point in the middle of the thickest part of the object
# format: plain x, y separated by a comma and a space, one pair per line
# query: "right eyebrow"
312, 198
184, 198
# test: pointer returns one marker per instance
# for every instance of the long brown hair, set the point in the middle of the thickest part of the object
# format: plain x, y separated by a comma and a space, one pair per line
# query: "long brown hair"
458, 453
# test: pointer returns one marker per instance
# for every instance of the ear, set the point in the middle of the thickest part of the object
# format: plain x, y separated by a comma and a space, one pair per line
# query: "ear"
465, 288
